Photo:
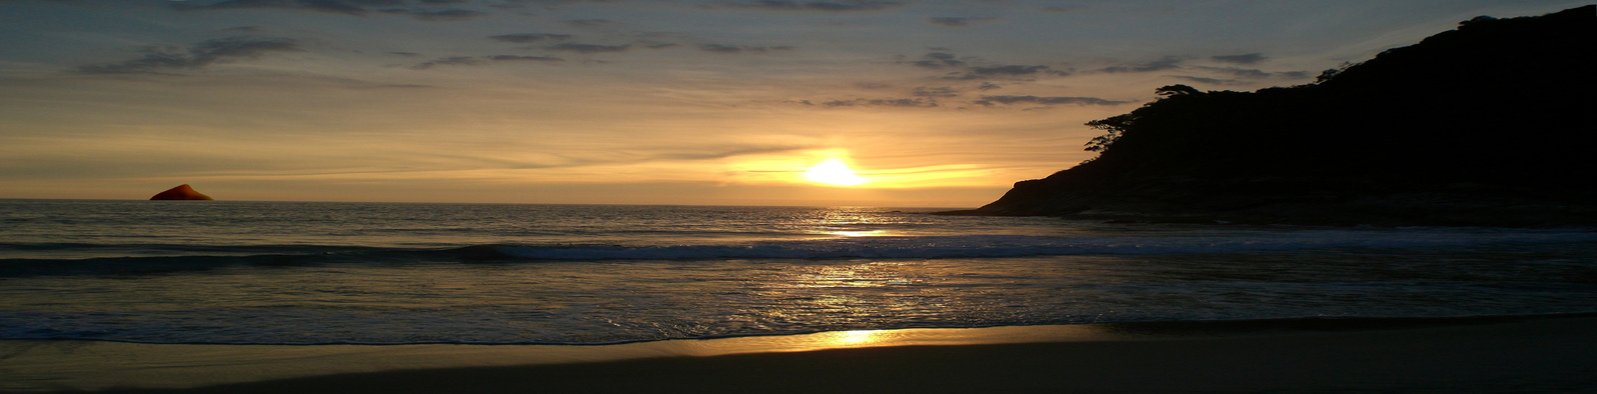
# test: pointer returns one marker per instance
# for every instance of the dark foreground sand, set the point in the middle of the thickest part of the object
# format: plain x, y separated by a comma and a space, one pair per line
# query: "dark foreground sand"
1539, 354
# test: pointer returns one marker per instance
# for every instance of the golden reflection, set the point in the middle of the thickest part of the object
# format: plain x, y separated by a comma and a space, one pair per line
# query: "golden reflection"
853, 234
852, 338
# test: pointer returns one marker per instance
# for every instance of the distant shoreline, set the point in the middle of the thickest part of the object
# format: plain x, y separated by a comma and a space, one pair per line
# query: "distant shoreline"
1494, 353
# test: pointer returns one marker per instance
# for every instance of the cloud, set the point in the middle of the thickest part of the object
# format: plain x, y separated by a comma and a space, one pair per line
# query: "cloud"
939, 91
530, 37
958, 21
939, 60
1254, 73
1292, 74
1246, 58
1064, 8
587, 48
634, 156
723, 48
1008, 69
1207, 80
524, 58
919, 102
323, 6
482, 60
342, 7
1045, 100
969, 71
1165, 63
588, 22
822, 6
1005, 71
547, 3
450, 61
200, 55
451, 14
985, 86
726, 152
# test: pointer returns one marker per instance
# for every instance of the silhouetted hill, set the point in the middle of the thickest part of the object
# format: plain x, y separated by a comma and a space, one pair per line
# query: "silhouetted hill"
1491, 123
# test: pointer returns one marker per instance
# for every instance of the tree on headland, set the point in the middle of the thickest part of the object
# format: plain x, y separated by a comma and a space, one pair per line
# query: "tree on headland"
1176, 90
1112, 128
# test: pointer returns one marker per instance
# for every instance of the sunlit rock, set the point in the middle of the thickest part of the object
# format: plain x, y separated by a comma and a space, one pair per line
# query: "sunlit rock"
181, 192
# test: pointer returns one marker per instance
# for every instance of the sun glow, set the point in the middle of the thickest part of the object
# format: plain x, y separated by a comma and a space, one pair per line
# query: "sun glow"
833, 172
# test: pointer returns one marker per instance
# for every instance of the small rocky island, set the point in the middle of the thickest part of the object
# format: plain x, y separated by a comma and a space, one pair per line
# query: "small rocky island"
1488, 124
181, 192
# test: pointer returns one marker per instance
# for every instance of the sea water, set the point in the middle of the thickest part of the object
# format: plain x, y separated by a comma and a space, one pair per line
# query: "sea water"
378, 273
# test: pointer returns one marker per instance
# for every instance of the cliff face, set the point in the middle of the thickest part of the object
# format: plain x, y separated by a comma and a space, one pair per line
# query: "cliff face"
1491, 123
181, 192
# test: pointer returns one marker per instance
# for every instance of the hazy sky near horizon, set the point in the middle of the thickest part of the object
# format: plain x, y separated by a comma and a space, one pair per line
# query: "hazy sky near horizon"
936, 103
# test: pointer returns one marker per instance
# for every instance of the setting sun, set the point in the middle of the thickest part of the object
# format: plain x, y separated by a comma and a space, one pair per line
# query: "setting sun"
833, 172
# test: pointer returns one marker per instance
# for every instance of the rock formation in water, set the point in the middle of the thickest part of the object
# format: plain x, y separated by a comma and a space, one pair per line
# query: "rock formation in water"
1488, 124
181, 192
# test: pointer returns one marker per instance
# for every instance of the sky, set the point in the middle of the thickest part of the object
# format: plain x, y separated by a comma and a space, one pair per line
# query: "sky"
715, 102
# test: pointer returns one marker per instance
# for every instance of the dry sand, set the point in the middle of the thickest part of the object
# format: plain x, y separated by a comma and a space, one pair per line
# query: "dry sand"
1540, 354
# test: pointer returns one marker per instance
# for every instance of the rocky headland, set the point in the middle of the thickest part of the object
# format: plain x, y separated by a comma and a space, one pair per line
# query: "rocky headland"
1488, 124
181, 192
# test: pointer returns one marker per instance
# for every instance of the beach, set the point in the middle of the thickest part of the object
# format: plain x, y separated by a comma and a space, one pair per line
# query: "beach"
1503, 354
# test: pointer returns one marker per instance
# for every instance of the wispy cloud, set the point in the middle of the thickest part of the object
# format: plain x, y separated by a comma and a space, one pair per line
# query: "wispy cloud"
959, 21
524, 58
1064, 9
1005, 71
588, 48
1165, 63
452, 14
1246, 58
1207, 80
450, 61
822, 6
724, 48
530, 37
1046, 100
323, 6
936, 91
917, 102
341, 7
1253, 73
200, 55
589, 22
482, 60
971, 68
939, 60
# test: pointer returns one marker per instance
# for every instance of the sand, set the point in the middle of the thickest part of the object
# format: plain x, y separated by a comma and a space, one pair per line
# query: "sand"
1527, 354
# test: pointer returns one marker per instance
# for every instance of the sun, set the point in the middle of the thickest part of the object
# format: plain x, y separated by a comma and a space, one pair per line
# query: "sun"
833, 172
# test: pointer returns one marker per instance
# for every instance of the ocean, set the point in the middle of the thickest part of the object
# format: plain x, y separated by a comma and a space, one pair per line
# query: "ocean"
225, 272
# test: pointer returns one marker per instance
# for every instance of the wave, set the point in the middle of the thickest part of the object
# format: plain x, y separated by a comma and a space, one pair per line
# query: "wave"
992, 246
158, 258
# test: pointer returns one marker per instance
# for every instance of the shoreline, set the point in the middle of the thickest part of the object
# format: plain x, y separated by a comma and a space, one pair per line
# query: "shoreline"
1498, 353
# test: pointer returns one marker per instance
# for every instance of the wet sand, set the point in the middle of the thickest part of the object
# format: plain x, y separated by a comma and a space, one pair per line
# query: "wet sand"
1528, 354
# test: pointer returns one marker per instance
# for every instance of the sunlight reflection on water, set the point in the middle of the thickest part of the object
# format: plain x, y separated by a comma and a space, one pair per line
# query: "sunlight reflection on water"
309, 273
